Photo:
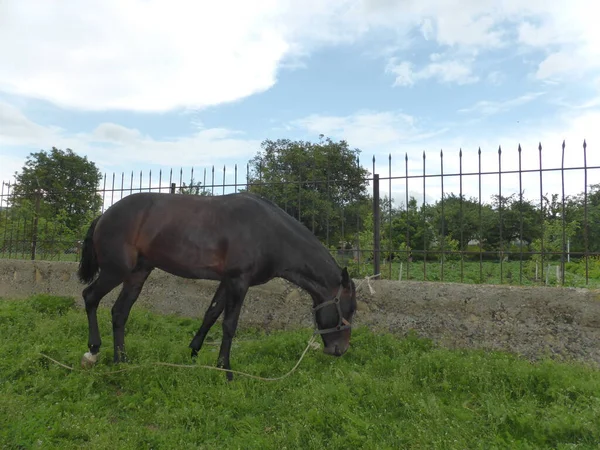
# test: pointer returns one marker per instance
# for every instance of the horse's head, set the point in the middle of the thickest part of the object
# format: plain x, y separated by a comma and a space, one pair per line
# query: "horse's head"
333, 317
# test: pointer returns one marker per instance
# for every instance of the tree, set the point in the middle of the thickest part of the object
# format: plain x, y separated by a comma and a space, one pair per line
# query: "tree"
577, 210
520, 220
194, 188
65, 185
321, 184
410, 231
460, 221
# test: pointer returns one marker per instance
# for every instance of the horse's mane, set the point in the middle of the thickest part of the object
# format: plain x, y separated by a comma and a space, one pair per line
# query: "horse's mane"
292, 222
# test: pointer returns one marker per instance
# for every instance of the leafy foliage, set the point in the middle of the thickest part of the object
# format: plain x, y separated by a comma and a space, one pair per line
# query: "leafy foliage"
66, 183
321, 184
52, 202
194, 188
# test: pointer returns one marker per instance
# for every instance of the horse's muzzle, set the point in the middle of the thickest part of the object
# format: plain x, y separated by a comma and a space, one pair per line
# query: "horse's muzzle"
335, 350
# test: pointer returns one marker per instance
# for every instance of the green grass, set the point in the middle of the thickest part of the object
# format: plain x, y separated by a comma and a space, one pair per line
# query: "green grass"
384, 393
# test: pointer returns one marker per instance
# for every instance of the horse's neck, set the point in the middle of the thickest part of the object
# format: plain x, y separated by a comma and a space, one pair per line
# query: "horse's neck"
317, 279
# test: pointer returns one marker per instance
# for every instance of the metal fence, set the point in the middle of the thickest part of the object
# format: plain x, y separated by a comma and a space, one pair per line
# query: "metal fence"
434, 218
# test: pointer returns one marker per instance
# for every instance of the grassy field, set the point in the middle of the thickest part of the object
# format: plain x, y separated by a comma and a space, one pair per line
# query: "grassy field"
384, 393
488, 272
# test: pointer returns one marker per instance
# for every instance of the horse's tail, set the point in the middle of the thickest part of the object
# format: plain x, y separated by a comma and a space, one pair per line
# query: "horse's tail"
88, 266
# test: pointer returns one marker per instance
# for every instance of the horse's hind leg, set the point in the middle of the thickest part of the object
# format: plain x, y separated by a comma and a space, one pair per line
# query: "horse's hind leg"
132, 286
236, 293
92, 295
211, 315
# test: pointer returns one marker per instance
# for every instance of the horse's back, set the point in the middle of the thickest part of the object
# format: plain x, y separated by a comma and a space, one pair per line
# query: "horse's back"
187, 235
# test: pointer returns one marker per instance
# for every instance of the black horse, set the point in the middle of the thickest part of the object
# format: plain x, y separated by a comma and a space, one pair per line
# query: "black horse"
238, 239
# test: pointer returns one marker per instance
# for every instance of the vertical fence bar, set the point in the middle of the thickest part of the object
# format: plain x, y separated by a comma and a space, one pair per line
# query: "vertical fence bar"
461, 213
122, 184
36, 216
46, 242
18, 240
235, 178
389, 255
520, 219
173, 186
212, 184
103, 192
407, 244
112, 190
376, 218
480, 221
500, 204
12, 220
443, 234
358, 227
3, 248
424, 225
224, 168
160, 181
542, 215
247, 176
328, 207
564, 234
585, 214
56, 240
357, 247
313, 197
300, 194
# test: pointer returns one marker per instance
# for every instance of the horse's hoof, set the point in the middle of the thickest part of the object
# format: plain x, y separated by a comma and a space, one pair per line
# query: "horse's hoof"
88, 360
194, 354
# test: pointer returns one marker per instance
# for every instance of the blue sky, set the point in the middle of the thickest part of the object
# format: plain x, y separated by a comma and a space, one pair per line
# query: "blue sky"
194, 85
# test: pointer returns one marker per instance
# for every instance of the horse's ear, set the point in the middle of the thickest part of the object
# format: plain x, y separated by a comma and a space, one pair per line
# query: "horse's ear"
345, 278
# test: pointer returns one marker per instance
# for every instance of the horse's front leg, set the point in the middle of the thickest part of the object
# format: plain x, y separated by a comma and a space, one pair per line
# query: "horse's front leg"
91, 297
233, 306
122, 307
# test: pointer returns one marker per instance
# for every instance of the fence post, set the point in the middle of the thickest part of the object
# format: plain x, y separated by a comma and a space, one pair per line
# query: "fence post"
172, 188
376, 223
35, 225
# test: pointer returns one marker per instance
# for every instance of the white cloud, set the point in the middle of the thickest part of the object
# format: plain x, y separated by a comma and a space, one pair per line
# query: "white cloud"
137, 54
382, 133
114, 133
370, 131
10, 165
495, 78
565, 63
445, 71
488, 108
115, 147
403, 71
159, 55
16, 129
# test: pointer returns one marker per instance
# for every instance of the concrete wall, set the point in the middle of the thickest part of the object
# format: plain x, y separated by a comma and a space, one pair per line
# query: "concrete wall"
532, 321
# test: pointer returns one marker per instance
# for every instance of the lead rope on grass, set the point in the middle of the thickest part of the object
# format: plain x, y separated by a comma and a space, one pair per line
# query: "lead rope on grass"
194, 366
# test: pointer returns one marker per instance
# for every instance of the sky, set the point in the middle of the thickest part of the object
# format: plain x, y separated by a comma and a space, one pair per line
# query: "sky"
140, 85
